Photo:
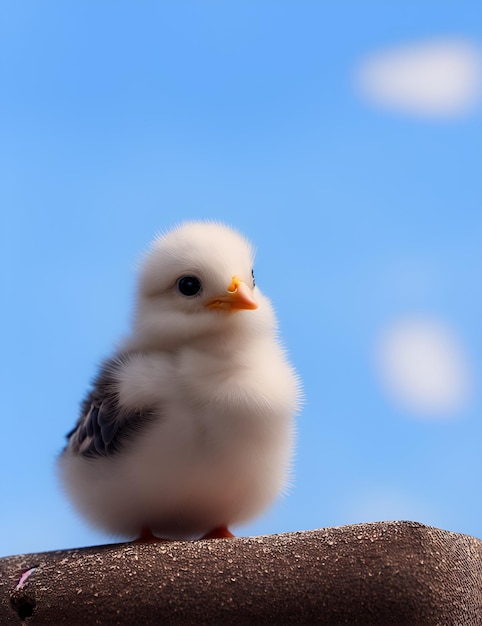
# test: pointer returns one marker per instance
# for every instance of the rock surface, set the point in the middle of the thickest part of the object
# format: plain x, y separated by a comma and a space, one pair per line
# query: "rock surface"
378, 573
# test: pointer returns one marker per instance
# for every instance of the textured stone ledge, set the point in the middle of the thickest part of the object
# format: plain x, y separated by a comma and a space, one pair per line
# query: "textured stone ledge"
379, 573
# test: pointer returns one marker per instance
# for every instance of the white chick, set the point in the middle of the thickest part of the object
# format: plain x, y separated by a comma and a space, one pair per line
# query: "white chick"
189, 427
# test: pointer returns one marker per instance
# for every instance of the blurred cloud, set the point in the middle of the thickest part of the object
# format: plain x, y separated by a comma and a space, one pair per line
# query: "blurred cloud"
383, 503
439, 78
424, 367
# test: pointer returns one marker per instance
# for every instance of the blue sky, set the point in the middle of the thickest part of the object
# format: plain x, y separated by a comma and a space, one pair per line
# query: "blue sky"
120, 119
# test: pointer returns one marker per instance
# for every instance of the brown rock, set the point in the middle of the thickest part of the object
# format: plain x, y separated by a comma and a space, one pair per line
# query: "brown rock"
379, 573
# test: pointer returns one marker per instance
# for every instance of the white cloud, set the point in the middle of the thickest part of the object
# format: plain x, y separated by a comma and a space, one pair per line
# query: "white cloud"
424, 367
440, 78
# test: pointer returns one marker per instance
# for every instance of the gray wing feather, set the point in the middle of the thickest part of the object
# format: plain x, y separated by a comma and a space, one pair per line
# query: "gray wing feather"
104, 427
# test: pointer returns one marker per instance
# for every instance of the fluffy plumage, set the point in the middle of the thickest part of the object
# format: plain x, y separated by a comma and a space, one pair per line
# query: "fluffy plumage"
189, 426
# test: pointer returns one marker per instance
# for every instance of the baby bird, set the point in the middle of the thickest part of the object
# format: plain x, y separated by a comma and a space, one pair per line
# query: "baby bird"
189, 426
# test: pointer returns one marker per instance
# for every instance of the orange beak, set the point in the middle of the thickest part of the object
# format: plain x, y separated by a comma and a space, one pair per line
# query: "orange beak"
237, 298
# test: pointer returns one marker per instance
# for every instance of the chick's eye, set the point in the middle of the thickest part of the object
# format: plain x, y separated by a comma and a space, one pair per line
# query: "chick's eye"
254, 281
189, 285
